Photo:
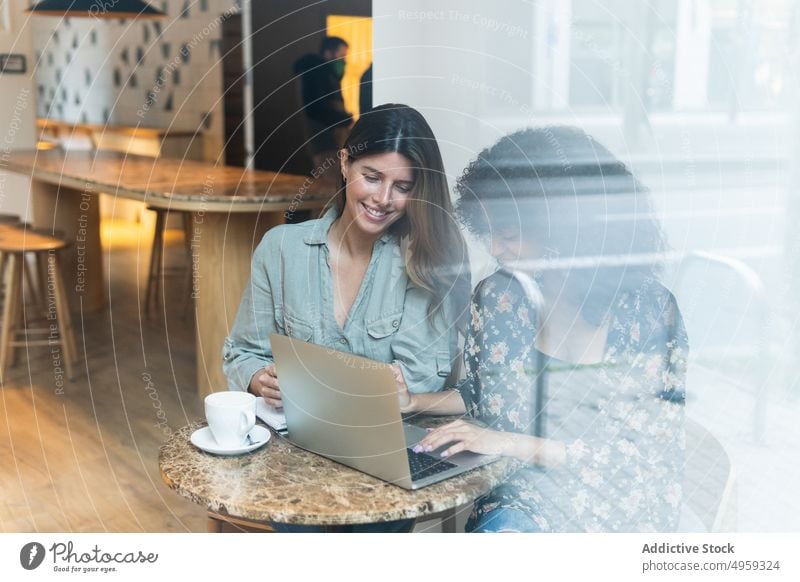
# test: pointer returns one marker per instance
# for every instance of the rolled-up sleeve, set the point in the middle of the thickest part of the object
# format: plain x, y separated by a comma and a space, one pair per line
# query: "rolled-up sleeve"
247, 349
425, 349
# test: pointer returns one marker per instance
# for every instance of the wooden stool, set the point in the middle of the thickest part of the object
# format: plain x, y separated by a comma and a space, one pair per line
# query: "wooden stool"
10, 220
35, 286
157, 270
15, 244
14, 220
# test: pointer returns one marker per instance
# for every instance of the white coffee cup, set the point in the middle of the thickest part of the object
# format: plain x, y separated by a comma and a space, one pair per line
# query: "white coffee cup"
230, 415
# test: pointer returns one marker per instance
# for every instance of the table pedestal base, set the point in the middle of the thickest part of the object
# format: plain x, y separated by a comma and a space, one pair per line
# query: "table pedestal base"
225, 524
222, 247
76, 213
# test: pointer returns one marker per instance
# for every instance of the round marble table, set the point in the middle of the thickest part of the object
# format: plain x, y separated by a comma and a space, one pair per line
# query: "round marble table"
283, 483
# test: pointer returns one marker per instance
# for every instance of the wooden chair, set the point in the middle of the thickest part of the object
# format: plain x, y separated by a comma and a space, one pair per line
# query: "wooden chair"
709, 480
15, 244
157, 271
726, 312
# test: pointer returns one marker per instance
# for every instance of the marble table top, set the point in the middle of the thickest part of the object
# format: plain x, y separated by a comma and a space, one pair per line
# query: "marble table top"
281, 482
172, 183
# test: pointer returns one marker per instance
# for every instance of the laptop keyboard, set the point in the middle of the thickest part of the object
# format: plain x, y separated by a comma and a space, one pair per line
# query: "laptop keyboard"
423, 465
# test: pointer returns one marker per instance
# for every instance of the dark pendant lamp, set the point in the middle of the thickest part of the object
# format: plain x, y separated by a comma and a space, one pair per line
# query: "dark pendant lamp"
114, 9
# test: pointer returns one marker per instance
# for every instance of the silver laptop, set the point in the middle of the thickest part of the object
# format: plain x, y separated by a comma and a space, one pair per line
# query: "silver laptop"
344, 407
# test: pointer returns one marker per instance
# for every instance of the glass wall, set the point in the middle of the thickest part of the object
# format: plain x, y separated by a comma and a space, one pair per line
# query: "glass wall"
698, 99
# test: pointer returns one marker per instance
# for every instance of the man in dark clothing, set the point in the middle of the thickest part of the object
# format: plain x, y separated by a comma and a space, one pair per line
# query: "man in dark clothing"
365, 92
327, 120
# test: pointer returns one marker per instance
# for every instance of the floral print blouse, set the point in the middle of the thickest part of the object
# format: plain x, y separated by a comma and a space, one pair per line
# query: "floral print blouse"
621, 420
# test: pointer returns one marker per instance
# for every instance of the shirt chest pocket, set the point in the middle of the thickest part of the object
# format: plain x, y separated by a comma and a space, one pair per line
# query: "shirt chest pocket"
384, 326
380, 332
298, 328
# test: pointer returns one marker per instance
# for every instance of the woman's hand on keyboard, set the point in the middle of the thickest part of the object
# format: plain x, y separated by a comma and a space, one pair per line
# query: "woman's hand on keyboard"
465, 436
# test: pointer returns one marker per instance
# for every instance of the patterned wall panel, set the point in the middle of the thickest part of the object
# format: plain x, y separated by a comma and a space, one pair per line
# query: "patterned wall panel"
164, 73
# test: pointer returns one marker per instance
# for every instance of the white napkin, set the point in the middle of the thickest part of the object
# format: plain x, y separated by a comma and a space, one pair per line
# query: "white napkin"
274, 418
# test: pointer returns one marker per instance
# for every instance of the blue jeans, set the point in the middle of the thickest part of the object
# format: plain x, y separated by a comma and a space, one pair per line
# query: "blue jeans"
503, 520
399, 526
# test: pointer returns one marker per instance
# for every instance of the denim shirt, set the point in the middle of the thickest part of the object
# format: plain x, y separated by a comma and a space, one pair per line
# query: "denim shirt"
291, 293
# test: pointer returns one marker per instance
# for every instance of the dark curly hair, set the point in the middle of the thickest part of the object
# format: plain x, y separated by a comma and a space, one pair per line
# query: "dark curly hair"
560, 188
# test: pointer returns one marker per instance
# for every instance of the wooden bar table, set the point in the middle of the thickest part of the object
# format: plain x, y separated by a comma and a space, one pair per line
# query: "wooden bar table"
231, 210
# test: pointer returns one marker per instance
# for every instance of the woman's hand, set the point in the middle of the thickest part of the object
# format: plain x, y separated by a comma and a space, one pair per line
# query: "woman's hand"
265, 384
405, 397
466, 436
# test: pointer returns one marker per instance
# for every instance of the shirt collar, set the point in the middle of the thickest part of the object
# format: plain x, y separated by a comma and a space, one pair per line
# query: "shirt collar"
319, 234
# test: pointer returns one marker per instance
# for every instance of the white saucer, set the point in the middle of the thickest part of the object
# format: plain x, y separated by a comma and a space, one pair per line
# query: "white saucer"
204, 440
